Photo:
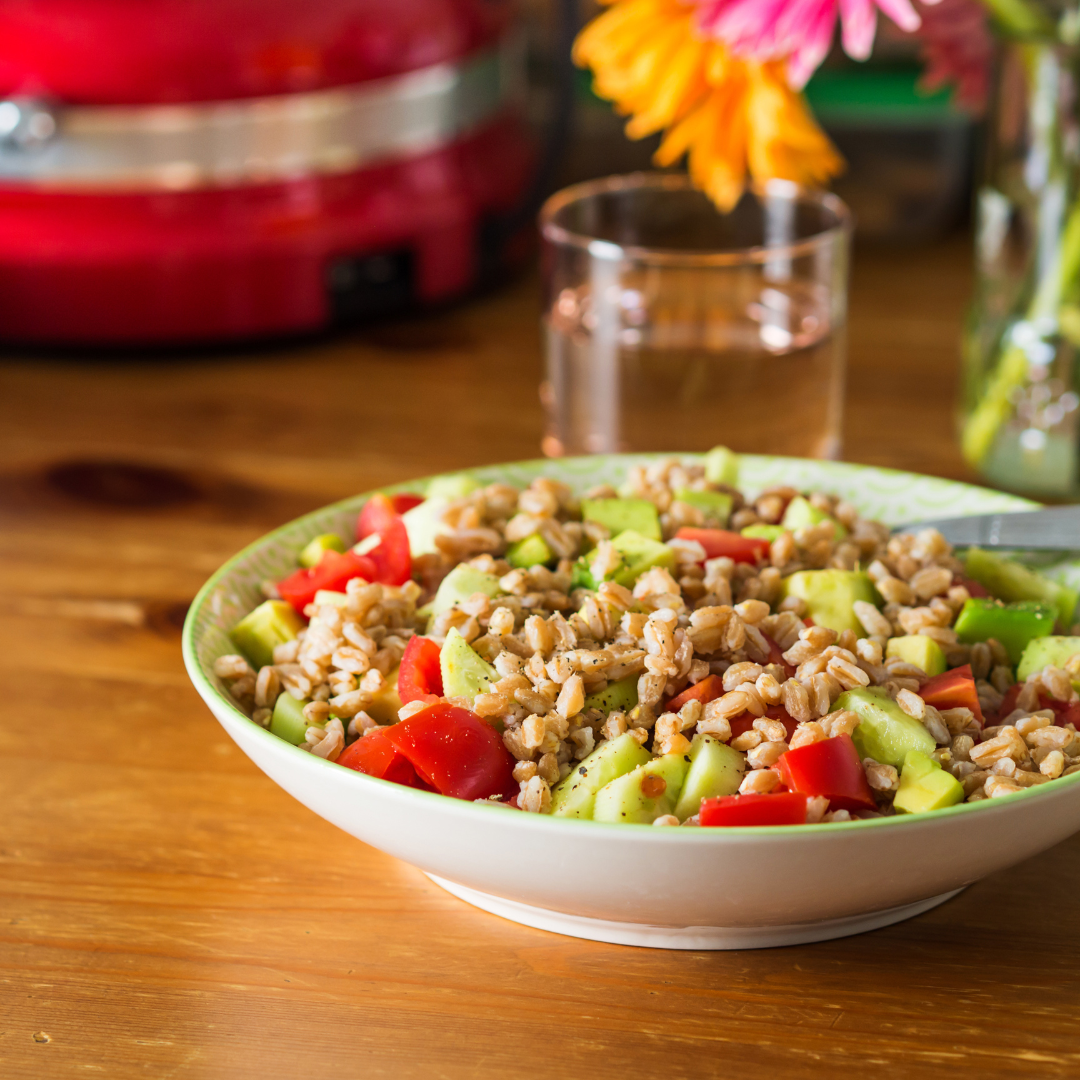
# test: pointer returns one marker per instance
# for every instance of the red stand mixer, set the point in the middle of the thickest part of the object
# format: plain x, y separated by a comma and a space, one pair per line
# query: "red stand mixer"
190, 170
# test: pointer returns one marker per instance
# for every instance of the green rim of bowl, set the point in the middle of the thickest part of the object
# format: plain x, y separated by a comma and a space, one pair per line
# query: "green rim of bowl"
582, 466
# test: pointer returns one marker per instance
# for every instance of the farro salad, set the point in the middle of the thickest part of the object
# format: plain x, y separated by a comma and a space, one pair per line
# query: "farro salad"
668, 653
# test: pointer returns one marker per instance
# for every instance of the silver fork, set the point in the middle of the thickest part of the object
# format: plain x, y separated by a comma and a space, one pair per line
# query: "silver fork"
1056, 528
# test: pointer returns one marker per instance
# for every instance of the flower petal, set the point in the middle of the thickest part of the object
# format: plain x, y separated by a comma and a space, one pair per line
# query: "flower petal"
859, 19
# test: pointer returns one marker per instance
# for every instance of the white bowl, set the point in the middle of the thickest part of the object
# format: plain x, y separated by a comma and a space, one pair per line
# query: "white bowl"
636, 884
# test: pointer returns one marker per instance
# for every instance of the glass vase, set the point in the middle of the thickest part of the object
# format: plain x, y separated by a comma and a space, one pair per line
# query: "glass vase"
1020, 403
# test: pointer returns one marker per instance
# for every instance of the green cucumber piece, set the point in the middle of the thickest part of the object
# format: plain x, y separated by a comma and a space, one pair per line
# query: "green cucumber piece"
715, 769
800, 514
273, 622
623, 801
885, 733
575, 795
465, 673
461, 583
638, 553
722, 466
925, 785
618, 515
1039, 652
618, 696
715, 505
287, 720
830, 596
763, 532
920, 650
315, 549
532, 551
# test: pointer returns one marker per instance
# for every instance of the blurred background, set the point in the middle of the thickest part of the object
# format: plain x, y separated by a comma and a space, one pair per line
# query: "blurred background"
204, 285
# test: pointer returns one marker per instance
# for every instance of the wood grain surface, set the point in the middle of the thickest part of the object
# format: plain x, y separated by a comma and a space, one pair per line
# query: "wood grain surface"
166, 911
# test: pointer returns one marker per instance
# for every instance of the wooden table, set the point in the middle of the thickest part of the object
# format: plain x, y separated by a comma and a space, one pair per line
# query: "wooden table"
166, 911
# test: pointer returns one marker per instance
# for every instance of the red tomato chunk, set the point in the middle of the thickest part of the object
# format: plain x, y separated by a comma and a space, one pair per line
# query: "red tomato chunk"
405, 501
742, 724
953, 690
831, 768
420, 677
334, 571
392, 558
717, 542
375, 755
709, 689
781, 808
456, 752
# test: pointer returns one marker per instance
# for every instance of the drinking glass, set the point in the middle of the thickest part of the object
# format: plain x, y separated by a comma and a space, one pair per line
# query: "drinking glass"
672, 326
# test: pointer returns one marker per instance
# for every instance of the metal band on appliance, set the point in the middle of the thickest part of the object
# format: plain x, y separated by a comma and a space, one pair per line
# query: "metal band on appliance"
254, 140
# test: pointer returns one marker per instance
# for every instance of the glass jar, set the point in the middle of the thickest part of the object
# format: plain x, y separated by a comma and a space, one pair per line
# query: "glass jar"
1020, 402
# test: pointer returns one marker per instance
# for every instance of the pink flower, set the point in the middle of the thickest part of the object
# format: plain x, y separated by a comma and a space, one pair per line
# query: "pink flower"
801, 30
958, 49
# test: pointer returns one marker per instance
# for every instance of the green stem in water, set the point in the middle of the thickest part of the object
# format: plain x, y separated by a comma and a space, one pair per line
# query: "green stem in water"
992, 411
1019, 17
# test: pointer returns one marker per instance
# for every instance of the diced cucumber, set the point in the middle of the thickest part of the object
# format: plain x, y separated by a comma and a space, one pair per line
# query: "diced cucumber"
722, 466
715, 769
885, 733
532, 551
638, 553
423, 523
920, 650
830, 596
800, 514
640, 797
287, 720
574, 796
763, 532
715, 505
925, 785
317, 548
618, 696
619, 515
461, 583
1008, 580
465, 673
1046, 650
273, 622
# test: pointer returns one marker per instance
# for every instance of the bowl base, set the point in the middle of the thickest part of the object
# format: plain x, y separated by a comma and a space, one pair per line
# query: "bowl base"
688, 937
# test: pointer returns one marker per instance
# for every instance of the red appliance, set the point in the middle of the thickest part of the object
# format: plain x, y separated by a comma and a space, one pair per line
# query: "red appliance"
186, 170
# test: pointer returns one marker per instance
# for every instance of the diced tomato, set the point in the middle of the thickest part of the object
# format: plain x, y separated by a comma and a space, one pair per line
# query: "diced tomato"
1065, 712
1008, 702
456, 752
335, 569
420, 677
954, 689
392, 558
973, 587
831, 768
742, 724
717, 542
782, 808
777, 657
709, 689
374, 754
405, 501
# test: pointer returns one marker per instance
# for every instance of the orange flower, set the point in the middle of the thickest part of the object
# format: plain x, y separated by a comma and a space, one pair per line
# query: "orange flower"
731, 116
